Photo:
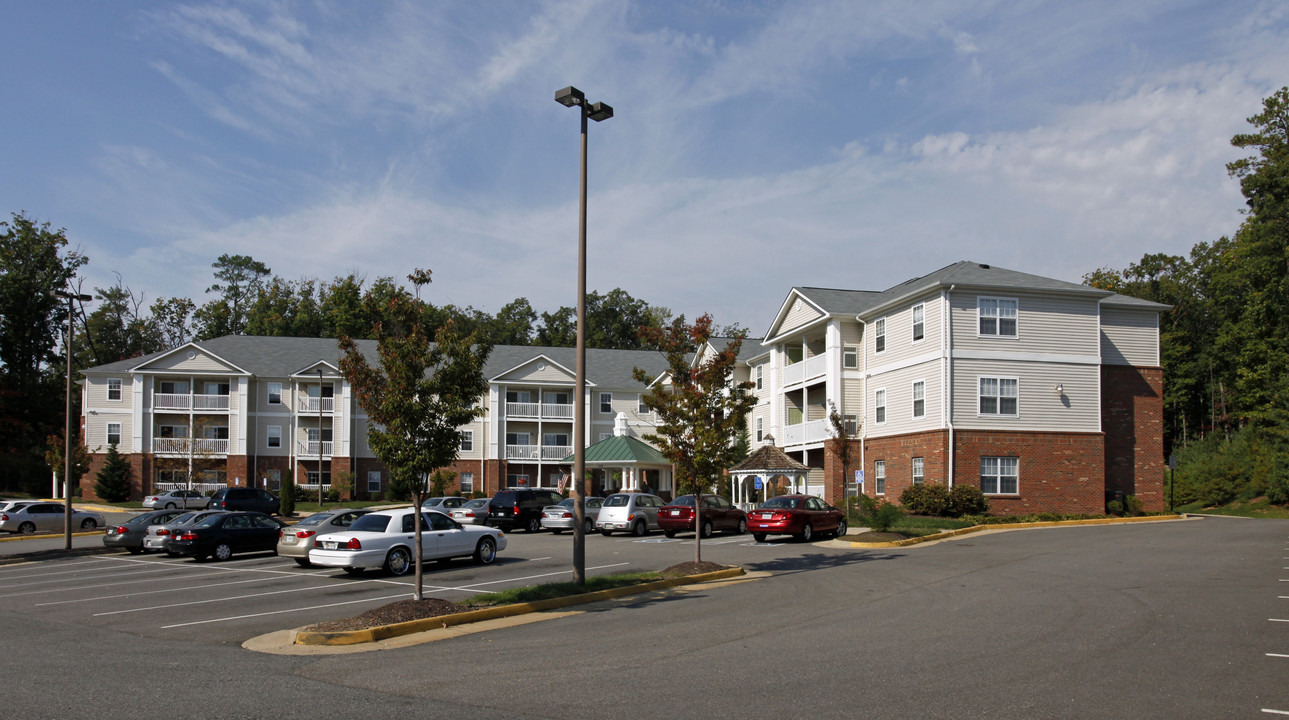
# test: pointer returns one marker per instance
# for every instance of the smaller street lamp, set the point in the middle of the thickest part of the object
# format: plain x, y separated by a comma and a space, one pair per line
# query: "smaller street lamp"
67, 420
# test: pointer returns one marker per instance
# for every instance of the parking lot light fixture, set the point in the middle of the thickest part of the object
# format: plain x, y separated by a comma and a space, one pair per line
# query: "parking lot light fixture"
67, 420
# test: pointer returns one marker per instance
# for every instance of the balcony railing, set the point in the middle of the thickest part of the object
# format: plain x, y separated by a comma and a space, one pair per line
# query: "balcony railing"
185, 401
550, 411
808, 369
201, 487
803, 433
538, 452
556, 452
182, 446
309, 405
209, 402
309, 448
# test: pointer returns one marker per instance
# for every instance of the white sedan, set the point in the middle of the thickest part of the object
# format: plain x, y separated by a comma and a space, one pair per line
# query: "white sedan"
387, 539
176, 499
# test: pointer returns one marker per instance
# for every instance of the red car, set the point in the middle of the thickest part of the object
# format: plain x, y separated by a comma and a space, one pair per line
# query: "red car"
718, 514
799, 515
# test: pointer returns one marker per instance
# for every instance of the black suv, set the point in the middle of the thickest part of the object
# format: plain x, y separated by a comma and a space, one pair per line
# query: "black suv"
242, 498
520, 507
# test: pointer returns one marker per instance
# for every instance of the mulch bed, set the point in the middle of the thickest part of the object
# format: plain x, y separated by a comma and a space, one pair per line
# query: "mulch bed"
874, 537
405, 610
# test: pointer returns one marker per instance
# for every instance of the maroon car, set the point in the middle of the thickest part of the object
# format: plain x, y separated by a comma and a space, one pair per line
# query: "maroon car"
717, 514
802, 516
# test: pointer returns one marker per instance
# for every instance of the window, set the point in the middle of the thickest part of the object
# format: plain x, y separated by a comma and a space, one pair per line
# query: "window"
919, 470
555, 439
850, 424
373, 481
850, 357
467, 482
760, 377
760, 429
169, 387
114, 433
795, 416
998, 396
1000, 475
919, 399
467, 441
519, 396
640, 404
275, 436
114, 388
606, 402
997, 316
879, 477
879, 332
275, 393
216, 388
919, 324
313, 434
517, 438
312, 477
879, 405
215, 432
273, 480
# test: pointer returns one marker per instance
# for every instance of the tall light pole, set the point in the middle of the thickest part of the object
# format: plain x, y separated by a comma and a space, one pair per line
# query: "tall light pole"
67, 420
319, 437
572, 97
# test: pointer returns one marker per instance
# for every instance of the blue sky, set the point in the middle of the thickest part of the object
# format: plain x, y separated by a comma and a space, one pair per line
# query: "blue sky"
755, 146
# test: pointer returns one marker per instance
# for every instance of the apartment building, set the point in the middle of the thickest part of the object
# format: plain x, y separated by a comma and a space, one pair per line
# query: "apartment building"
1045, 394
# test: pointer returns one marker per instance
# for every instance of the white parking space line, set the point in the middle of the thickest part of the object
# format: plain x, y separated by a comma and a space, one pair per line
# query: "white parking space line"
212, 600
280, 612
1275, 712
83, 578
1278, 619
1277, 655
185, 588
37, 567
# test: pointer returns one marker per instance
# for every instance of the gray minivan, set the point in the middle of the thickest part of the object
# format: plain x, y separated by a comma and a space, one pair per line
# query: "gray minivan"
636, 513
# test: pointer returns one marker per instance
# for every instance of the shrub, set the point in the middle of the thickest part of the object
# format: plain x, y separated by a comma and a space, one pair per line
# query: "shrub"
343, 484
967, 500
1132, 505
1114, 507
884, 517
331, 495
113, 482
925, 499
286, 495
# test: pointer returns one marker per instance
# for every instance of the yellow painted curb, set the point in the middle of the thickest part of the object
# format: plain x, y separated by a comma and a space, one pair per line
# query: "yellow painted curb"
1012, 526
48, 536
382, 632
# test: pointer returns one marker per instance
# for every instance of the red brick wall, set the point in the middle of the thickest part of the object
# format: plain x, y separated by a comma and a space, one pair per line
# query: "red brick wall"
1059, 472
1132, 412
898, 452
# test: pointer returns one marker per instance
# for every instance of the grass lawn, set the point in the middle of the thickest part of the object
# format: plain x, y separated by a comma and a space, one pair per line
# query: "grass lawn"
1255, 508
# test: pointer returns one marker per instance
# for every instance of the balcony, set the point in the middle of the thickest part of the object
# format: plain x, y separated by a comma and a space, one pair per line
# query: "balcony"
185, 446
548, 453
184, 401
309, 448
544, 411
804, 433
804, 371
315, 406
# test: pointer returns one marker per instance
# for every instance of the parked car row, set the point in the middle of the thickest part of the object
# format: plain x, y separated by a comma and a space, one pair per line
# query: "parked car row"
29, 516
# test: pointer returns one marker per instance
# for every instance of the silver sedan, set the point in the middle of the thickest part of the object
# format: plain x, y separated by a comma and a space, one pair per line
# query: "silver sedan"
295, 541
474, 512
558, 518
176, 499
47, 517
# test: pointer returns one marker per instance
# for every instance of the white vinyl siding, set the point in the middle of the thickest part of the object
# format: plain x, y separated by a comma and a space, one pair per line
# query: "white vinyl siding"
899, 386
919, 322
879, 406
800, 313
1040, 407
919, 399
879, 336
1129, 337
1051, 325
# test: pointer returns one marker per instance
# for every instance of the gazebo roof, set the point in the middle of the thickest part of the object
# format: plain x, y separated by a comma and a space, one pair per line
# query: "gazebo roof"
619, 450
768, 459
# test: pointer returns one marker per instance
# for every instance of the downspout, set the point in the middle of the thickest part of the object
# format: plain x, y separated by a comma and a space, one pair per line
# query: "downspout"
863, 399
946, 331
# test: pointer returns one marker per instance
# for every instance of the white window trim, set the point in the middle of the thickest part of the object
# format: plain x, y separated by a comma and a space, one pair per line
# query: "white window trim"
879, 477
641, 408
467, 441
268, 436
853, 351
919, 478
606, 398
997, 335
999, 396
462, 483
373, 475
913, 325
760, 429
120, 390
268, 395
760, 376
109, 433
880, 404
914, 399
879, 331
998, 479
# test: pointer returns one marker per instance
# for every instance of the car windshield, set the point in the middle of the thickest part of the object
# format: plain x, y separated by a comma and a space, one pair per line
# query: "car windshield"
477, 503
139, 520
182, 518
686, 500
314, 519
566, 503
208, 521
370, 523
618, 500
782, 502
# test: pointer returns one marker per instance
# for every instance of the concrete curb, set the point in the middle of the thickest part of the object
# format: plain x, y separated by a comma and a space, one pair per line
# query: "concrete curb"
384, 632
1004, 527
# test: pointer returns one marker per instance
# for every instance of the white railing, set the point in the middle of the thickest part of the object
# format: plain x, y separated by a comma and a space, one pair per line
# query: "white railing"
182, 446
556, 452
309, 448
554, 411
209, 402
805, 370
170, 401
522, 452
522, 409
201, 487
802, 433
314, 486
310, 405
558, 411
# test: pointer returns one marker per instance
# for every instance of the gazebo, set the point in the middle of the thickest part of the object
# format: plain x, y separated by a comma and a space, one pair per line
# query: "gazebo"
631, 457
766, 463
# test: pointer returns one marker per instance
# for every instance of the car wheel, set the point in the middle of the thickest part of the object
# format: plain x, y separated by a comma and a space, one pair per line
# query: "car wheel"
639, 529
27, 528
353, 571
669, 533
606, 533
742, 527
486, 551
303, 562
534, 524
556, 531
89, 524
707, 528
398, 561
223, 551
169, 506
807, 533
588, 527
759, 537
841, 528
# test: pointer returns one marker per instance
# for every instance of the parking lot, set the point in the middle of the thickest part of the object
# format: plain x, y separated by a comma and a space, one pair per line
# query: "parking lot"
228, 602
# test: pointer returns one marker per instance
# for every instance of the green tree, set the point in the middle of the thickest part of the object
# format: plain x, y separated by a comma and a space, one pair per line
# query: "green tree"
840, 442
112, 483
613, 321
240, 281
116, 330
286, 309
418, 397
513, 324
700, 410
170, 320
34, 261
54, 446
